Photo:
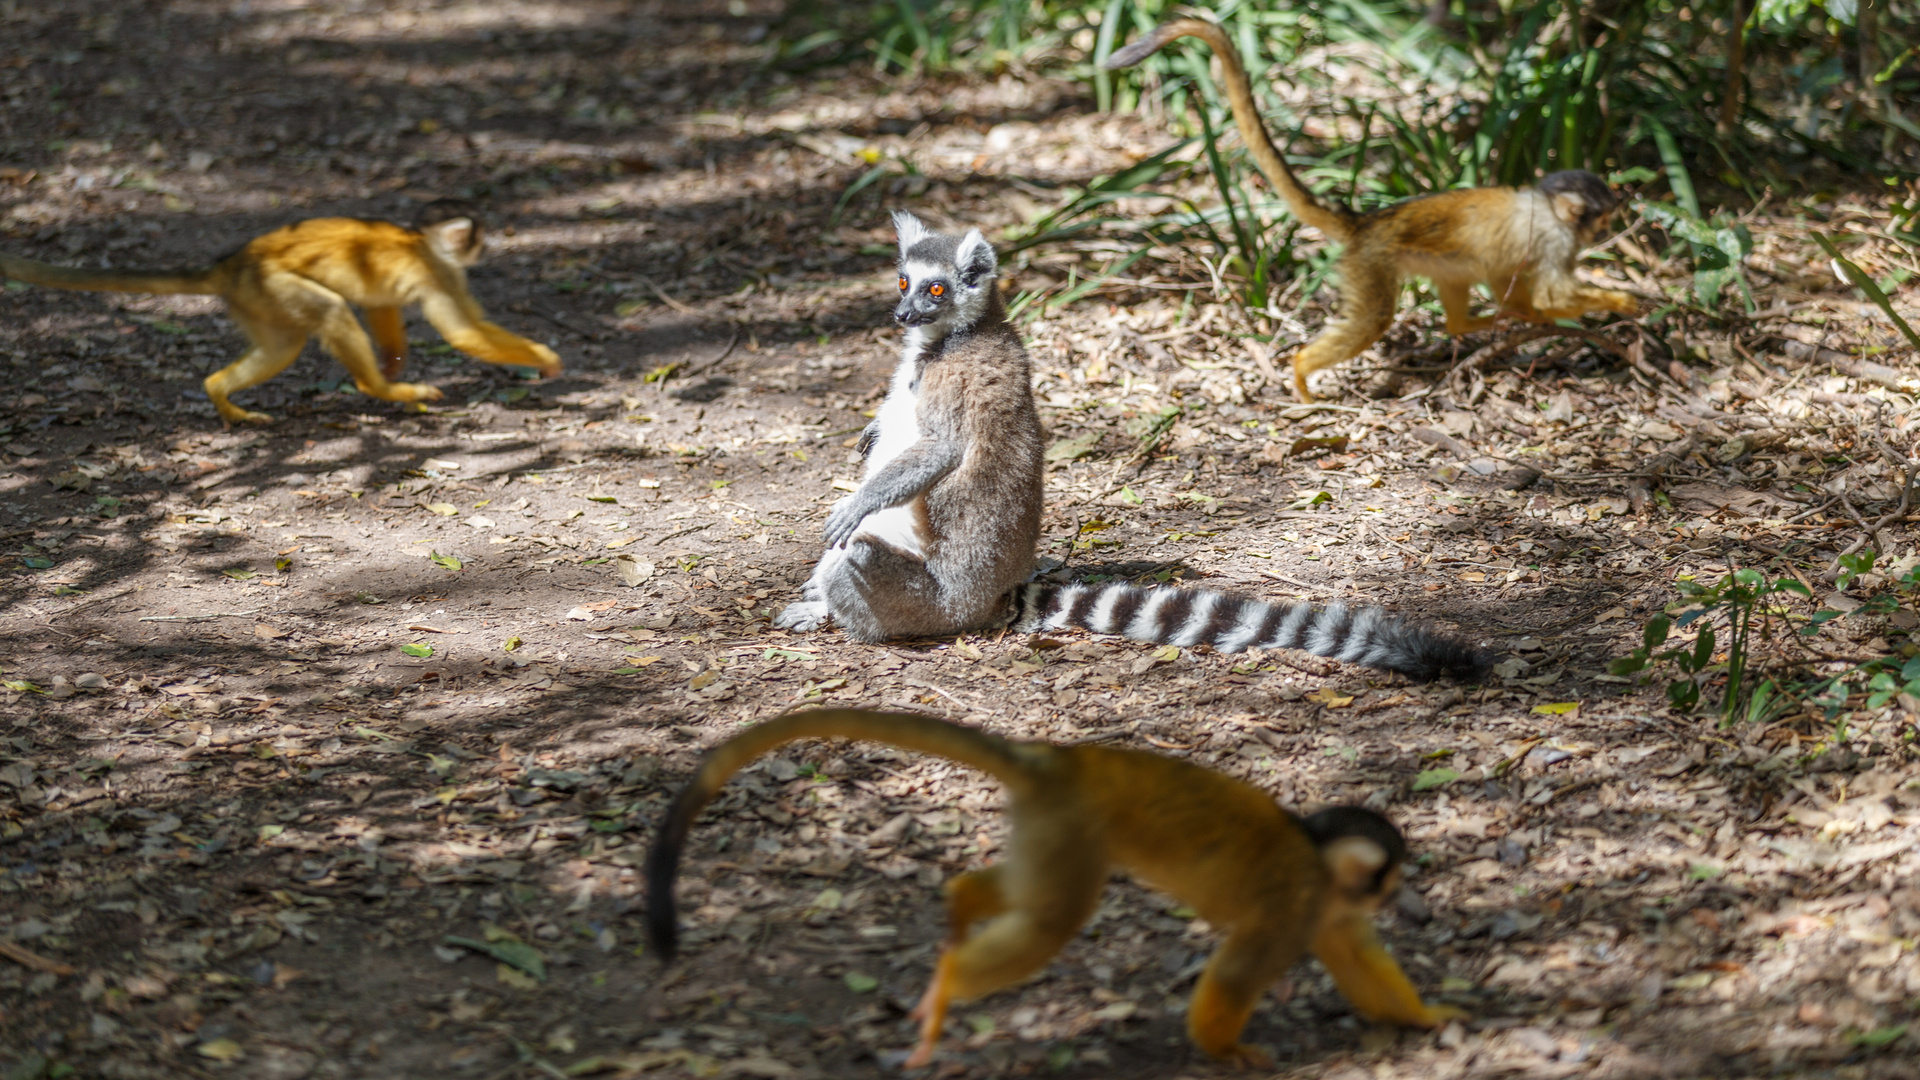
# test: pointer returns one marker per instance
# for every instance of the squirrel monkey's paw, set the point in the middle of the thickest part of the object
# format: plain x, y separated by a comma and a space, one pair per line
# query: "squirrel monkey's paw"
1441, 1015
549, 360
403, 391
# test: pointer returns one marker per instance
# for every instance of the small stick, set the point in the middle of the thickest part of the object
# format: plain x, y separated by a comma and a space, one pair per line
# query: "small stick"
682, 532
197, 618
724, 353
529, 309
668, 300
27, 958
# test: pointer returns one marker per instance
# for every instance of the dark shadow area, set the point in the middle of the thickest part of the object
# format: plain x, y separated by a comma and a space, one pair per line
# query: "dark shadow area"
311, 734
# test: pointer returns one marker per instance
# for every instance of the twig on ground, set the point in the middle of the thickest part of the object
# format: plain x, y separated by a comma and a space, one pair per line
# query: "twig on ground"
1872, 532
1291, 581
1822, 508
529, 309
682, 532
29, 959
1640, 491
668, 300
198, 618
89, 602
724, 353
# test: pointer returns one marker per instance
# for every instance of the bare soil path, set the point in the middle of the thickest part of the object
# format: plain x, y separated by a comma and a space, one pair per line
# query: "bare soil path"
300, 721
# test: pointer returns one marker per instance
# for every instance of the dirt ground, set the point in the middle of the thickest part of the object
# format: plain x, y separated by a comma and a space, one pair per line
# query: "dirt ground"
330, 748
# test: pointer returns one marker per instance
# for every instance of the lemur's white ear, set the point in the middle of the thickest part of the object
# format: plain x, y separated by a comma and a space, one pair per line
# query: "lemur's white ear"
974, 258
911, 230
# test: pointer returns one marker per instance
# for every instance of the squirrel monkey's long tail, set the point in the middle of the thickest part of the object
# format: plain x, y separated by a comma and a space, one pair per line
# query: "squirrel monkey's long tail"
210, 281
1003, 759
1336, 221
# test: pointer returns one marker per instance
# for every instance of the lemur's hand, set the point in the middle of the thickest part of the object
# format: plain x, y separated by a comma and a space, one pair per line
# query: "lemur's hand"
867, 437
844, 521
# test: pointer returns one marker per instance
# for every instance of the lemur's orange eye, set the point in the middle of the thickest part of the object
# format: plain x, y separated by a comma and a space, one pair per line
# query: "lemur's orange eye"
903, 283
936, 290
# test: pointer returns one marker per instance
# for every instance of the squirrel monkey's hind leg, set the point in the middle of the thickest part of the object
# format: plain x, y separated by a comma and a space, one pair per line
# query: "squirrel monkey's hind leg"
1367, 297
1042, 894
277, 335
932, 1011
972, 897
269, 356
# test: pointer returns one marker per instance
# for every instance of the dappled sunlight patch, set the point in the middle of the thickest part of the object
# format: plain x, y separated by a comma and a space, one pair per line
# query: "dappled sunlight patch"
278, 20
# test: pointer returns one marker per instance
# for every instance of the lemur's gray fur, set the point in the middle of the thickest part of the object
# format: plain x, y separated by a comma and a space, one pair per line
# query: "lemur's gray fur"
940, 536
1358, 635
944, 523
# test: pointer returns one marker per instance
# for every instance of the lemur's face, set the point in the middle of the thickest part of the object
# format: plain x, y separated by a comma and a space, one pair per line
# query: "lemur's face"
926, 294
945, 281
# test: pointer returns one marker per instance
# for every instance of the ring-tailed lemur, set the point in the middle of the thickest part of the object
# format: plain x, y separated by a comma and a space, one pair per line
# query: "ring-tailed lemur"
1186, 617
946, 517
941, 532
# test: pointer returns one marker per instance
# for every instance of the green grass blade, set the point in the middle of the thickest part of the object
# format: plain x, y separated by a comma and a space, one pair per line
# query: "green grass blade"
866, 180
1677, 176
1094, 283
1862, 281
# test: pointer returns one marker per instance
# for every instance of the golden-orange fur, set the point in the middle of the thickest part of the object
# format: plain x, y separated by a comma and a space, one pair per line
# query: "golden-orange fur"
1520, 242
1221, 846
302, 280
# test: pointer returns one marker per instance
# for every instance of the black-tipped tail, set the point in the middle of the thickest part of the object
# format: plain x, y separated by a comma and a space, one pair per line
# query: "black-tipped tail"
663, 865
1187, 617
997, 757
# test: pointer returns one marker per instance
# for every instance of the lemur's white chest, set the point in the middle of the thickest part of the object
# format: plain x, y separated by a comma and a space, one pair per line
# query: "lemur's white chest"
898, 417
898, 527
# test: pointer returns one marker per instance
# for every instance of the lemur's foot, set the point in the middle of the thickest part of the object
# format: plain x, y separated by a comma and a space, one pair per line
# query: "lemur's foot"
804, 616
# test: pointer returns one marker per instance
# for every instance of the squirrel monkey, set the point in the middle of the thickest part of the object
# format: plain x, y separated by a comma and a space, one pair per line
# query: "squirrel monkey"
1521, 242
1277, 886
299, 281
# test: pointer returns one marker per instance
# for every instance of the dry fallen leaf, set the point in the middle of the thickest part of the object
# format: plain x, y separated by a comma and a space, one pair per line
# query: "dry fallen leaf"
1331, 698
633, 571
220, 1050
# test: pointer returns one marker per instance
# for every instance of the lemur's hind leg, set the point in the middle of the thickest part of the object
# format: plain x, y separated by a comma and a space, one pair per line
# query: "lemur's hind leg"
810, 612
879, 593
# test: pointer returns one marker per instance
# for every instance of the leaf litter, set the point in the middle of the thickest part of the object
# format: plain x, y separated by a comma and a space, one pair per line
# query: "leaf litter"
192, 808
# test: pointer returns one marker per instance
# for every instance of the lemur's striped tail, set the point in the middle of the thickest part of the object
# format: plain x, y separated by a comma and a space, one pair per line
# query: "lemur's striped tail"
1186, 617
